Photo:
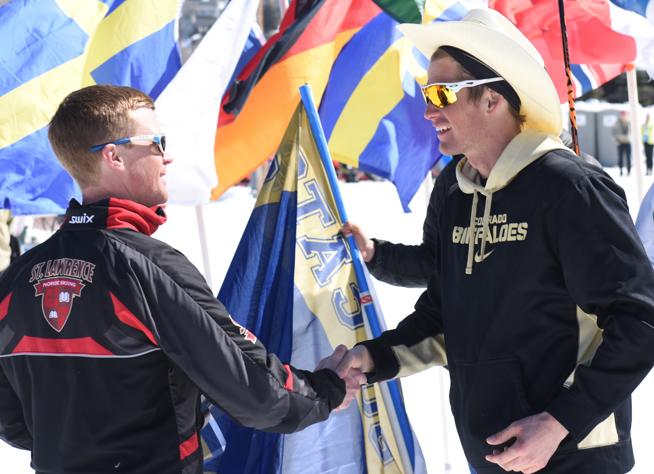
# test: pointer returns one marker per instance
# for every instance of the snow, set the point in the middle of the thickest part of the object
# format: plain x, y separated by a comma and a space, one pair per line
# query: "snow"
376, 208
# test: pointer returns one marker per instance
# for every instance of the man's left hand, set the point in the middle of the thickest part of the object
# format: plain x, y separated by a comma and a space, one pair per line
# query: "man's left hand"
536, 439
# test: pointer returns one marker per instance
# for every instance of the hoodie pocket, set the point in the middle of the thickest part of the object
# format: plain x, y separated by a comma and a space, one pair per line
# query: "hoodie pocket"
486, 397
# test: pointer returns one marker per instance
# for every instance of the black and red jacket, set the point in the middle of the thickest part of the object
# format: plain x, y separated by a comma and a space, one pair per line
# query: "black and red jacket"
107, 338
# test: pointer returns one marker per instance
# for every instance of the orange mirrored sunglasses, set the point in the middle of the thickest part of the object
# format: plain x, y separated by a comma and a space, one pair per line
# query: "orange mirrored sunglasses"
441, 94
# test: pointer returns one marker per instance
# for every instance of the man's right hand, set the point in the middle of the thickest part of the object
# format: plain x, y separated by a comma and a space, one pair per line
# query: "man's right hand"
365, 245
356, 359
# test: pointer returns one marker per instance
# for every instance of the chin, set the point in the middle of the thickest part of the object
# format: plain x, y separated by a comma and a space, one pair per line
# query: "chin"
154, 199
448, 150
162, 198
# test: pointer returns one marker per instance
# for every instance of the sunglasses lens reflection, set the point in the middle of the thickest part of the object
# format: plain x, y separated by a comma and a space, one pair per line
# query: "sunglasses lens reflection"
446, 96
438, 95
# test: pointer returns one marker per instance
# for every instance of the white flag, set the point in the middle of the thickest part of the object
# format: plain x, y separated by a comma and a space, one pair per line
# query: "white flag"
188, 108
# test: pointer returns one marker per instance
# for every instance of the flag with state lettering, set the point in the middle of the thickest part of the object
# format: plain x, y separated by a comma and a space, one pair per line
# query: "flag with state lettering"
292, 283
51, 48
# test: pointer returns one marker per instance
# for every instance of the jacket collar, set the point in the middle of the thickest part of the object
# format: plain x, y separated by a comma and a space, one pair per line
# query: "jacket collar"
113, 213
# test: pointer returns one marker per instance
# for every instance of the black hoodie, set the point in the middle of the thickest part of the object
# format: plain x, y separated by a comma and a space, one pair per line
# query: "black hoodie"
549, 307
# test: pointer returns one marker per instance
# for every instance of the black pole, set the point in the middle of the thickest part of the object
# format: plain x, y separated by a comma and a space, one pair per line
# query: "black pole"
568, 73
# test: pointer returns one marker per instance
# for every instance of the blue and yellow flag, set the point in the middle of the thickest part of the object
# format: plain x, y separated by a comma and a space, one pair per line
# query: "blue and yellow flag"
372, 109
292, 282
53, 47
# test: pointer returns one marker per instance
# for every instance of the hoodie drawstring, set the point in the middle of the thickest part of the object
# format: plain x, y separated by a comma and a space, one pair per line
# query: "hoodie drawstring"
472, 232
487, 208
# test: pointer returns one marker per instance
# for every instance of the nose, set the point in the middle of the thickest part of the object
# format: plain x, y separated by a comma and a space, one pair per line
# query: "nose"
431, 111
167, 158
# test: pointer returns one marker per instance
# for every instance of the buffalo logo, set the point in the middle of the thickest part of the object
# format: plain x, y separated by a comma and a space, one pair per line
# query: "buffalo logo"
57, 299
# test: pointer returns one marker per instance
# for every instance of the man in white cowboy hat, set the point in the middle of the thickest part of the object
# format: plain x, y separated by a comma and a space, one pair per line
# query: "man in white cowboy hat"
542, 289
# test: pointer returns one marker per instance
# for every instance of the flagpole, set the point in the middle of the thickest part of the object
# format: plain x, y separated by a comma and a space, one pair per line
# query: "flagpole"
568, 73
365, 297
204, 247
636, 146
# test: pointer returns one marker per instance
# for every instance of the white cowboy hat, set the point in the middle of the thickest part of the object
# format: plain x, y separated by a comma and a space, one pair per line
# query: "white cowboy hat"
491, 38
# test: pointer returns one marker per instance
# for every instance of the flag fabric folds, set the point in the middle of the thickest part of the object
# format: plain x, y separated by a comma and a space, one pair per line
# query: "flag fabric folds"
405, 11
188, 107
598, 52
644, 8
602, 38
292, 283
370, 103
635, 18
260, 103
366, 80
372, 109
53, 47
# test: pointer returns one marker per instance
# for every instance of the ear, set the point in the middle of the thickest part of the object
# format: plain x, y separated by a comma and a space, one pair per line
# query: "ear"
111, 158
492, 100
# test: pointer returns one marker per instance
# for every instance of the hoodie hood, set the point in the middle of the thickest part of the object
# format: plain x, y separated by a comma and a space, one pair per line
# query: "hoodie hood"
523, 150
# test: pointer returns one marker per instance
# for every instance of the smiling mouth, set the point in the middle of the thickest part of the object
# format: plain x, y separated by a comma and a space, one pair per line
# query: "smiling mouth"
440, 130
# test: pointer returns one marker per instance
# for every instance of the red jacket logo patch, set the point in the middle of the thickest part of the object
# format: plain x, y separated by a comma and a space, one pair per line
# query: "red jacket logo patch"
58, 282
57, 299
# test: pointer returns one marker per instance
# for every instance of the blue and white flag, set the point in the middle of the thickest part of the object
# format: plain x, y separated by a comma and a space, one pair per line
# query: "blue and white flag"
51, 48
644, 8
293, 283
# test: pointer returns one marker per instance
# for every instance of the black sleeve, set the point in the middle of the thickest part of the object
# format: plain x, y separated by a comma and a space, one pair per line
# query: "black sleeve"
12, 424
417, 342
228, 363
400, 264
412, 265
607, 274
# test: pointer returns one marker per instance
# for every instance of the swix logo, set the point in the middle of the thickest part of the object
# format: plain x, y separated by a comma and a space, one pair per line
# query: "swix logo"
57, 296
83, 219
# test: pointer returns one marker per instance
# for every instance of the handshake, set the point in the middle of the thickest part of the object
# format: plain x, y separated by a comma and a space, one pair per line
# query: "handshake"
351, 366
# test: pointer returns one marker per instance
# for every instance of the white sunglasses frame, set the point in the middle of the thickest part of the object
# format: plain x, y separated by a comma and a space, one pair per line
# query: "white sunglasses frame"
457, 86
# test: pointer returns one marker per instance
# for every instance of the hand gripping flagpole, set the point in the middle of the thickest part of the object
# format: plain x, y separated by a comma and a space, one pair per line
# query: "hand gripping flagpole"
365, 298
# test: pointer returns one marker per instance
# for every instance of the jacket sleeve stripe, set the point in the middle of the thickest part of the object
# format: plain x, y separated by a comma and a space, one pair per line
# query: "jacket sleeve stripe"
128, 318
289, 378
4, 306
77, 346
